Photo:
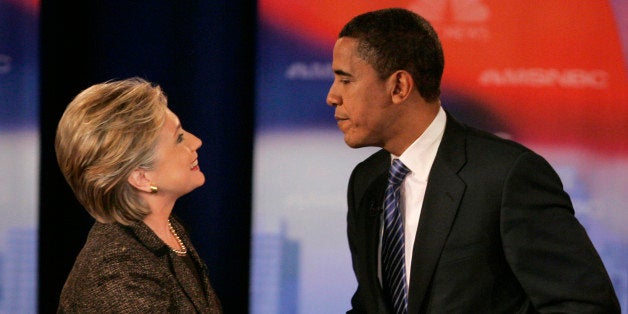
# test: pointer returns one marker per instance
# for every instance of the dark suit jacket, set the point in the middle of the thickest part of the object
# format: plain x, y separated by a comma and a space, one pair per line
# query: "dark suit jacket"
497, 234
128, 269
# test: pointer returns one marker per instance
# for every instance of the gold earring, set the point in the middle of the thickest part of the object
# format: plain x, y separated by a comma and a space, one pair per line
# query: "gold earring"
153, 189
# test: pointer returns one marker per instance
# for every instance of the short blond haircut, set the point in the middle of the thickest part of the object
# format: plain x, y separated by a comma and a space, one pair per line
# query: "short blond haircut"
108, 131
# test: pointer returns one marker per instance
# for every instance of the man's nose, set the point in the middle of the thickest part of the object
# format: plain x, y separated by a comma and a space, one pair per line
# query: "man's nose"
332, 99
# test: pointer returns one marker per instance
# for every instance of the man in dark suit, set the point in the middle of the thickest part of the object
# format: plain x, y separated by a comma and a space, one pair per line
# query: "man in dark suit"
487, 226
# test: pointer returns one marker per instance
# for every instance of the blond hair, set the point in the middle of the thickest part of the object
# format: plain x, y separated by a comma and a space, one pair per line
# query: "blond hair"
107, 131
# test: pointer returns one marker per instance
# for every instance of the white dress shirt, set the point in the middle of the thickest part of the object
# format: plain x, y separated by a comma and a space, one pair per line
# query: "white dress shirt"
419, 158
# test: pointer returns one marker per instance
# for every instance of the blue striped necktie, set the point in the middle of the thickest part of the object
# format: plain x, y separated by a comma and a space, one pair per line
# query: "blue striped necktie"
393, 245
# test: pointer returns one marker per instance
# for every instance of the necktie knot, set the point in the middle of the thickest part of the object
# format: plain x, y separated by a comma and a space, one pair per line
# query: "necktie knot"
397, 173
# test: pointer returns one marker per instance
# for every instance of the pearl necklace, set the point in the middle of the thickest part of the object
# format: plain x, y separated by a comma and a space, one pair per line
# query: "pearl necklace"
183, 250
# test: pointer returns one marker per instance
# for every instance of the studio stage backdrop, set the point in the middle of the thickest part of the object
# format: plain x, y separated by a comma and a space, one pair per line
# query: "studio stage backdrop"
546, 73
19, 155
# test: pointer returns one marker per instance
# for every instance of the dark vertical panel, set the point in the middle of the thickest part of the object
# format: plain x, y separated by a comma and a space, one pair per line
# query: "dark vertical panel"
65, 50
202, 54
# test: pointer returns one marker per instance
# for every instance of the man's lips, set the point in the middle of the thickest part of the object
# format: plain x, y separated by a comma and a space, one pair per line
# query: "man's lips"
342, 123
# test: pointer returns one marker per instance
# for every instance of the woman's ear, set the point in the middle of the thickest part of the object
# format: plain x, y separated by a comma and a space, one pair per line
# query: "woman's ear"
139, 180
402, 85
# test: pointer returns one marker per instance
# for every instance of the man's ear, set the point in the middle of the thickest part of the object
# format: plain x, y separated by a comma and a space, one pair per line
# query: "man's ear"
139, 180
402, 85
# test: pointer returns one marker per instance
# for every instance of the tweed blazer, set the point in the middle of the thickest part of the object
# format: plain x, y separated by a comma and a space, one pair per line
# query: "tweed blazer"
128, 269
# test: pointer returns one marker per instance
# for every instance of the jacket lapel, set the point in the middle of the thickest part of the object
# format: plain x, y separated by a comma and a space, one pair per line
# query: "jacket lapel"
186, 278
374, 224
442, 197
371, 207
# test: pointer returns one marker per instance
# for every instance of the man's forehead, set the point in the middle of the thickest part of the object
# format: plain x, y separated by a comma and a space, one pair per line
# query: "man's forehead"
346, 45
346, 60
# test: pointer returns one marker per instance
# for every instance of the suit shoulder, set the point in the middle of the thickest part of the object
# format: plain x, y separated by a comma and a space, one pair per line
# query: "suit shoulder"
490, 144
105, 239
491, 158
376, 158
112, 248
480, 150
111, 256
373, 164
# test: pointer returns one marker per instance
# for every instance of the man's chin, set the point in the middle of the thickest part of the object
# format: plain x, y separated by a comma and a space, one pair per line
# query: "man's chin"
354, 144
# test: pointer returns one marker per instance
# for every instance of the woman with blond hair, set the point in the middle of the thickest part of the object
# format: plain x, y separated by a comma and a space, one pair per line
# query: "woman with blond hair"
127, 159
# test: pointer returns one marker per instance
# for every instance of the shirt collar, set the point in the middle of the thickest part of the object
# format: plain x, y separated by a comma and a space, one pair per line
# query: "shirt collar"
421, 153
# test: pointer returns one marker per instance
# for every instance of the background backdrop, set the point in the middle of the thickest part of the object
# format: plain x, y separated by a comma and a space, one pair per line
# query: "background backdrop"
550, 74
251, 79
202, 53
19, 155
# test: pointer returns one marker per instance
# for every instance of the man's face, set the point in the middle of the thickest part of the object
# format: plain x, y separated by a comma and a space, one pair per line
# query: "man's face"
360, 97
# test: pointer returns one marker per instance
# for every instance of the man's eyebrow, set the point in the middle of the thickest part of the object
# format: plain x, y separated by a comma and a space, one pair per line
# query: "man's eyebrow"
342, 73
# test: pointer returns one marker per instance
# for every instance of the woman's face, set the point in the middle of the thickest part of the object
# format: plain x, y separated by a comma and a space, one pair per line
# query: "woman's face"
176, 170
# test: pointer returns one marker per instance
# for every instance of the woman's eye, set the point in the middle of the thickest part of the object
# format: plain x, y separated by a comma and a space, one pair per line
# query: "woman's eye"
180, 138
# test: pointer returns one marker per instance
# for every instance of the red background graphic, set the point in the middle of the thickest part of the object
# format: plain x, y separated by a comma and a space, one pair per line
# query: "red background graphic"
539, 66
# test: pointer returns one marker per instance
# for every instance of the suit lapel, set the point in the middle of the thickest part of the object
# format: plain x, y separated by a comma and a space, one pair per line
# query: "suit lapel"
374, 222
187, 279
370, 209
442, 197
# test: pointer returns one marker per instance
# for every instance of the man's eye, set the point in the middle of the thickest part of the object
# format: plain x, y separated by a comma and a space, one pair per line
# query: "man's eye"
180, 138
